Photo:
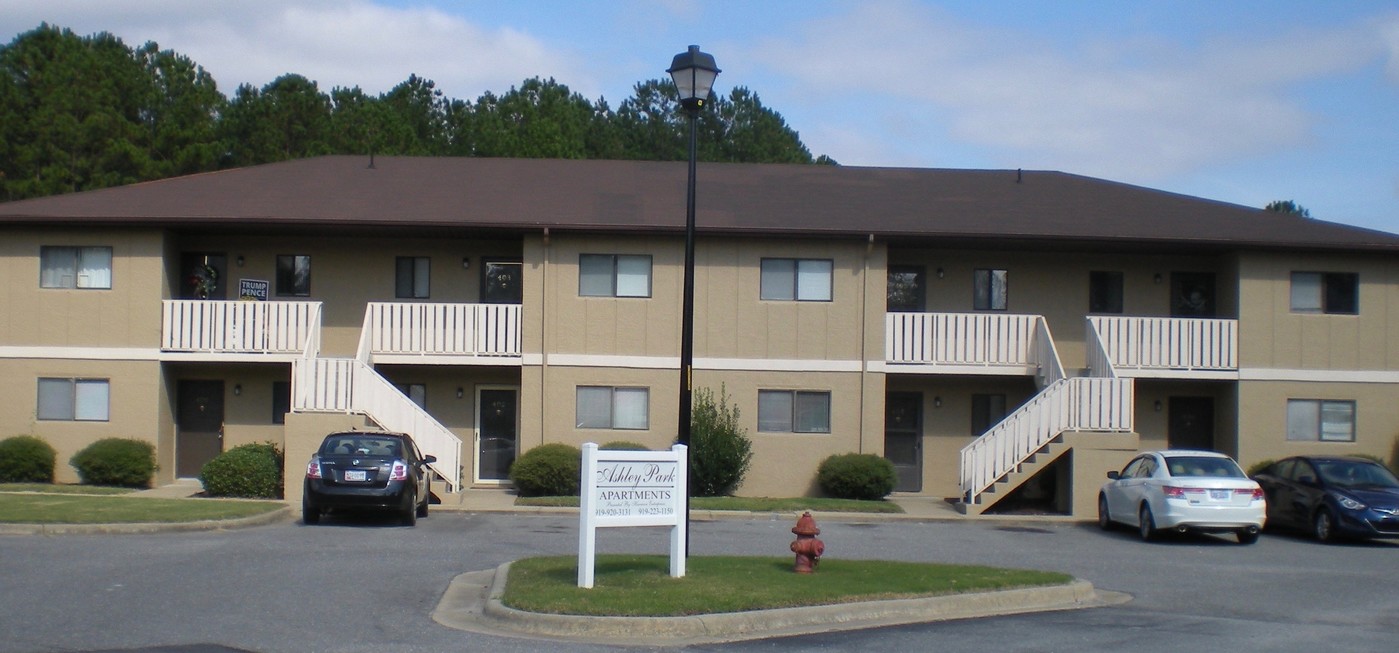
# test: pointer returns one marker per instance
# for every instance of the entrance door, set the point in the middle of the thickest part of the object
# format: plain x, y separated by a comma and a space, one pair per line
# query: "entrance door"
1192, 294
903, 438
1190, 423
199, 420
202, 275
497, 432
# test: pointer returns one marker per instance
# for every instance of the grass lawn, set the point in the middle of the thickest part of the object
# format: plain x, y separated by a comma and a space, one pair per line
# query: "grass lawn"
748, 504
640, 585
105, 509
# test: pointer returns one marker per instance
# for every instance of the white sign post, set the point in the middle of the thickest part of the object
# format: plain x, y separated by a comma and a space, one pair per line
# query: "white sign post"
632, 488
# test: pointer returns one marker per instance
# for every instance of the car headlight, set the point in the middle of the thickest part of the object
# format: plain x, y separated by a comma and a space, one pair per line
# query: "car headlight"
1349, 503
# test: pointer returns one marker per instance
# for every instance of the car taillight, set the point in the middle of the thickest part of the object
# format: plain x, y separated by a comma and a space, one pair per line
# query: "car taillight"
400, 471
313, 468
1173, 492
1256, 493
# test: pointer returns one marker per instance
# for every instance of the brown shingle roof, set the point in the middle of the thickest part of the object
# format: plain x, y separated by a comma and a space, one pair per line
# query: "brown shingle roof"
528, 194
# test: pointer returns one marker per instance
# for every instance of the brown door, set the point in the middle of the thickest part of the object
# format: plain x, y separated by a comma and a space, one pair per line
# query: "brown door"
199, 420
1190, 423
903, 438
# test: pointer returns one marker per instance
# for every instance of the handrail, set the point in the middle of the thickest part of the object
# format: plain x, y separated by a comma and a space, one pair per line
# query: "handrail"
963, 339
201, 325
440, 329
1168, 343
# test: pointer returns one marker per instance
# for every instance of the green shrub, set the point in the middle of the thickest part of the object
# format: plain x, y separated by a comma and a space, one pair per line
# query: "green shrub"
26, 459
623, 445
547, 471
1258, 467
116, 461
720, 450
252, 471
856, 476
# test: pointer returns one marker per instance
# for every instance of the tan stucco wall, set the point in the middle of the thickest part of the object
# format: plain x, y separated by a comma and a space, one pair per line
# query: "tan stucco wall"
1272, 336
1263, 420
135, 407
304, 433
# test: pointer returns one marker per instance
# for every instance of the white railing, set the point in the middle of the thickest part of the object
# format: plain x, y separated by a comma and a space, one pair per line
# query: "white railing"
196, 325
1049, 369
347, 385
1076, 404
1164, 343
441, 329
977, 339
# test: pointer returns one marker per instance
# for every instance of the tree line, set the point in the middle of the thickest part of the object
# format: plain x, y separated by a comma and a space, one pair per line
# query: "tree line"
85, 112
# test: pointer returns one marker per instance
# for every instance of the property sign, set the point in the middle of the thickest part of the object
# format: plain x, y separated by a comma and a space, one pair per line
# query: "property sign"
252, 290
632, 488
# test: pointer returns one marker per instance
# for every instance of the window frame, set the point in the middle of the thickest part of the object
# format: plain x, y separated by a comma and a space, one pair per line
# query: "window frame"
71, 276
1314, 418
792, 288
1336, 293
290, 276
73, 405
614, 407
793, 421
417, 273
615, 275
985, 282
1105, 292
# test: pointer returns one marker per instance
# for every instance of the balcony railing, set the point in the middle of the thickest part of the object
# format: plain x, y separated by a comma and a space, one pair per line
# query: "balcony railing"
964, 340
1124, 345
409, 329
204, 326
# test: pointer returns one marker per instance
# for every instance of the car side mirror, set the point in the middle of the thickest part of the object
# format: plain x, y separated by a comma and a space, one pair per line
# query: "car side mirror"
1113, 475
429, 459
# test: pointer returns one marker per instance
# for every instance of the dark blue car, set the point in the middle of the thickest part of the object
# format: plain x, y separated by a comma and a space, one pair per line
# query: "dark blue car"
1332, 497
367, 469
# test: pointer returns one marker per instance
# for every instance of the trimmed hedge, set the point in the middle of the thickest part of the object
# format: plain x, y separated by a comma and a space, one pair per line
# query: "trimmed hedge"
116, 461
623, 445
252, 471
549, 470
26, 459
856, 476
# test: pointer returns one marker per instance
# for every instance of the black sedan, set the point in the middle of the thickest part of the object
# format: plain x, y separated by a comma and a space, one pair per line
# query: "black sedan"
367, 469
1332, 497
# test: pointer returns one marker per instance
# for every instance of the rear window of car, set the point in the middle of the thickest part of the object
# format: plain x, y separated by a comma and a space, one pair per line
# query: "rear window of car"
363, 445
1207, 466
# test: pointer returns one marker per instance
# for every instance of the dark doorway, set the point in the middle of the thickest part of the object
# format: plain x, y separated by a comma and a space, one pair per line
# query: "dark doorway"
1190, 423
502, 282
497, 432
202, 275
1192, 294
199, 420
903, 438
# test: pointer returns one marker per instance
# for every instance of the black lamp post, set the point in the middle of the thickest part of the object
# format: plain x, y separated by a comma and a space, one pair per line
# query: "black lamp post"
694, 73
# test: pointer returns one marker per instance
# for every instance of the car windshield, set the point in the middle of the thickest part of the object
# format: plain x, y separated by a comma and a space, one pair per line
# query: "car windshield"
1207, 466
349, 444
1355, 474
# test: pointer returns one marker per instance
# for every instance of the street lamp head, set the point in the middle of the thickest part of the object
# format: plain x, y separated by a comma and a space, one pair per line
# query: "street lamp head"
694, 73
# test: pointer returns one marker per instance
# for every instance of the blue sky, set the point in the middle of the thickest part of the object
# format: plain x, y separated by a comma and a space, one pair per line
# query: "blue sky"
1243, 102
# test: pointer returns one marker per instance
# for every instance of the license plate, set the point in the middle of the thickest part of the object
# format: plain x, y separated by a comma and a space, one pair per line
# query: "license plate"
356, 475
1220, 495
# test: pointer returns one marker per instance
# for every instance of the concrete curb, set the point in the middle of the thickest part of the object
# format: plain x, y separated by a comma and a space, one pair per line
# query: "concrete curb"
282, 514
472, 603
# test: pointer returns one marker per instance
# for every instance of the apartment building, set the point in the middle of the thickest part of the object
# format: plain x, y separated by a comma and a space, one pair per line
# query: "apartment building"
1004, 337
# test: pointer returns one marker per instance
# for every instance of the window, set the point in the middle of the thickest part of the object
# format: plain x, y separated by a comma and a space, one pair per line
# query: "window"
1320, 420
281, 401
803, 280
614, 275
82, 400
1326, 292
987, 411
416, 393
908, 289
989, 290
75, 267
411, 277
601, 407
293, 275
794, 411
1104, 292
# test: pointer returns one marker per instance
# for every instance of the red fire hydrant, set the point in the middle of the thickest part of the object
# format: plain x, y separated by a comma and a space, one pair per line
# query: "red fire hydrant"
807, 547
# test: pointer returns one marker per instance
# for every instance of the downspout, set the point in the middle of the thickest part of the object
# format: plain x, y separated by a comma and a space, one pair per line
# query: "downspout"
864, 330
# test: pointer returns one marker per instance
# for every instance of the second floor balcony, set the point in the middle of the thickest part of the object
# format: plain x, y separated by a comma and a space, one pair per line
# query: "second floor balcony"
432, 333
1163, 347
280, 330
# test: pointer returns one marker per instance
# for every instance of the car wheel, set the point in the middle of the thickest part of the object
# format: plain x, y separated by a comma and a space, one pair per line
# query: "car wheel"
427, 498
1146, 524
422, 508
409, 515
1247, 536
1324, 526
1104, 519
310, 515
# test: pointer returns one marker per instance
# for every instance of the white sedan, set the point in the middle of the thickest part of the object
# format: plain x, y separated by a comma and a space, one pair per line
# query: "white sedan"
1183, 490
